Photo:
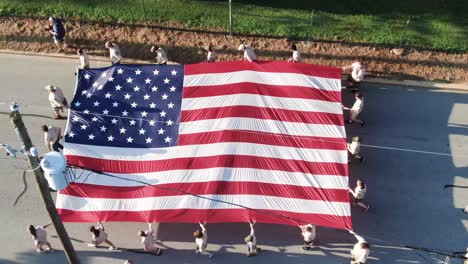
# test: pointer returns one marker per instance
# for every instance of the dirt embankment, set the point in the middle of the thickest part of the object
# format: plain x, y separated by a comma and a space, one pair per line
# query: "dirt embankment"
185, 46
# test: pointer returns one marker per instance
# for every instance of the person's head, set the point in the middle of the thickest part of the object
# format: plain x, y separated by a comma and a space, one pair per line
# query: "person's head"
141, 234
32, 230
50, 88
308, 229
241, 47
44, 128
51, 21
359, 96
155, 48
209, 48
94, 230
361, 183
365, 245
79, 51
293, 47
356, 139
198, 233
109, 44
248, 238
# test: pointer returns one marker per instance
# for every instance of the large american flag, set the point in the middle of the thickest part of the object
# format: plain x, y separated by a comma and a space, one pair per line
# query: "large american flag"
221, 142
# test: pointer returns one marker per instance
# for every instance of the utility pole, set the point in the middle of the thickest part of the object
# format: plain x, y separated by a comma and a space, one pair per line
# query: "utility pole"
25, 140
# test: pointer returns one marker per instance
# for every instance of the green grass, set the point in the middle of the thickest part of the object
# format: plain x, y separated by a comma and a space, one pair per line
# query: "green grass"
434, 24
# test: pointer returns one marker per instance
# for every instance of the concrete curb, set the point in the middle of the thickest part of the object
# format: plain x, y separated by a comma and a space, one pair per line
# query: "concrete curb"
421, 84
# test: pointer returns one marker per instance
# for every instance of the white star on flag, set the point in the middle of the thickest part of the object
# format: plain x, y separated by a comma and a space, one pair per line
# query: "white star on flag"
154, 89
86, 76
91, 137
136, 89
127, 96
110, 79
162, 114
146, 96
161, 131
142, 131
100, 87
144, 114
129, 139
164, 97
129, 80
124, 113
153, 105
167, 140
147, 80
103, 128
170, 105
86, 111
166, 80
170, 123
119, 71
105, 112
110, 138
95, 84
89, 95
94, 119
132, 122
108, 95
114, 121
138, 72
115, 104
155, 72
77, 104
134, 105
96, 103
172, 89
152, 122
104, 74
71, 134
149, 140
118, 88
83, 127
75, 119
174, 72
122, 130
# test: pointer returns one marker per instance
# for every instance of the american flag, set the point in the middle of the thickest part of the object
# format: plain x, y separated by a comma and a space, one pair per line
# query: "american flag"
225, 142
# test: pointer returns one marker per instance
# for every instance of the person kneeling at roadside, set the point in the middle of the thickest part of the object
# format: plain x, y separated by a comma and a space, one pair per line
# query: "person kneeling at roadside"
99, 237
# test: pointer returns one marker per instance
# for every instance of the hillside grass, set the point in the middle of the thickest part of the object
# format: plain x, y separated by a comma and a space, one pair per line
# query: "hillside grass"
434, 24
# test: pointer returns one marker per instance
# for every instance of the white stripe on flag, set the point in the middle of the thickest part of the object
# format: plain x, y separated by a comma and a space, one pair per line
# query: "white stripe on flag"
263, 126
295, 104
269, 78
217, 174
190, 202
208, 150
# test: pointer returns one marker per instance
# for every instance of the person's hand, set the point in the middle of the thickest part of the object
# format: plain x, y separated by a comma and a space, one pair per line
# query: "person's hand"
351, 232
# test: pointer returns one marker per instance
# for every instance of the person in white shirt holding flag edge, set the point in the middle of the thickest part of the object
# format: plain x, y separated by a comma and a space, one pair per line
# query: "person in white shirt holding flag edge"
39, 235
249, 54
251, 241
296, 56
358, 70
99, 236
201, 240
358, 195
354, 150
308, 233
149, 240
114, 52
356, 109
360, 251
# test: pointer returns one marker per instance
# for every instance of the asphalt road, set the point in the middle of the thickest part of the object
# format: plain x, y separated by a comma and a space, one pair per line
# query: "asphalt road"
409, 205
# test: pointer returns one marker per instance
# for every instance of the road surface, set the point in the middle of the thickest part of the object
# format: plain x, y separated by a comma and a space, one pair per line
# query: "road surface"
409, 205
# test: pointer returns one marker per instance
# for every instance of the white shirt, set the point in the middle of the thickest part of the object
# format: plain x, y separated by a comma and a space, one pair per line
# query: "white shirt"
358, 71
249, 54
359, 192
358, 105
202, 242
84, 60
360, 254
56, 98
252, 245
354, 147
309, 236
296, 56
161, 56
148, 241
52, 135
41, 234
114, 54
211, 57
102, 236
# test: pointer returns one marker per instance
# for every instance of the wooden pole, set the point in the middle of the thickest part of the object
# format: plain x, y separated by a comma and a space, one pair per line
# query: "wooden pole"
230, 17
25, 140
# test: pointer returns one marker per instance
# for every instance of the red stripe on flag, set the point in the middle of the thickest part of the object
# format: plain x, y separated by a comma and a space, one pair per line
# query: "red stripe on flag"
262, 138
206, 188
211, 215
262, 89
263, 113
264, 66
193, 163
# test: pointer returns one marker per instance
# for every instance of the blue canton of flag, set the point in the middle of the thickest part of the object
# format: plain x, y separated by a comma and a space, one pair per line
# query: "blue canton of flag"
135, 106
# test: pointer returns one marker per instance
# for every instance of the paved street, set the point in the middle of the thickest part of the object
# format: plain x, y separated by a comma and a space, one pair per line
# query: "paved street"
408, 202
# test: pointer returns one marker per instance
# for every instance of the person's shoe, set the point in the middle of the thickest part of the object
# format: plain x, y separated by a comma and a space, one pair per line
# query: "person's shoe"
112, 248
363, 123
211, 255
306, 248
197, 252
366, 209
50, 250
158, 252
39, 251
361, 160
92, 245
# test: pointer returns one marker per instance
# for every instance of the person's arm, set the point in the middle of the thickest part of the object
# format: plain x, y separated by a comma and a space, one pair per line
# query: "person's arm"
202, 226
344, 107
100, 226
344, 68
46, 226
252, 231
359, 238
247, 55
352, 192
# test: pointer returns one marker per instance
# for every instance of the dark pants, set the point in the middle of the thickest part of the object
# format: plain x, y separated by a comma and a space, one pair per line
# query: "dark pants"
352, 84
57, 146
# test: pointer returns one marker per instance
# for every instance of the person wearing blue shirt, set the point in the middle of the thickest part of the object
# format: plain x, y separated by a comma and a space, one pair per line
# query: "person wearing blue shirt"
57, 30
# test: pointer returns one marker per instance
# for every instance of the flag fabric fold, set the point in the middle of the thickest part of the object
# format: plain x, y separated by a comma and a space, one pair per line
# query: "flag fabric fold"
221, 142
